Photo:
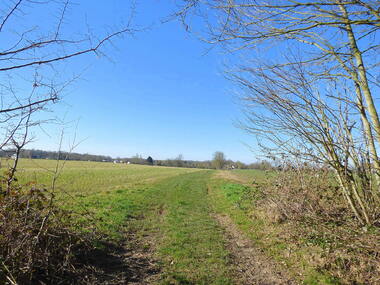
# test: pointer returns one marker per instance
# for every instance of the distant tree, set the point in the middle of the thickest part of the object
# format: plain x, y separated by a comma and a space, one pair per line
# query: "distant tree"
179, 161
137, 159
149, 160
241, 165
219, 160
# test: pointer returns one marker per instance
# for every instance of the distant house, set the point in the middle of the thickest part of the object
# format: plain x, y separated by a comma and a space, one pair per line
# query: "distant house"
231, 167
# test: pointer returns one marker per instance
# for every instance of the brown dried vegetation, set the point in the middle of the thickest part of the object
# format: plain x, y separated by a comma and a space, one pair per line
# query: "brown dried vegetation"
35, 243
311, 216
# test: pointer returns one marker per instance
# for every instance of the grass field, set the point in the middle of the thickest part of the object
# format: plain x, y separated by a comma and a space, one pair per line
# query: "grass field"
169, 205
98, 190
171, 212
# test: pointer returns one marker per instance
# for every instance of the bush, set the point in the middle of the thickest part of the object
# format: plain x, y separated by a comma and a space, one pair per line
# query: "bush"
306, 193
35, 241
307, 208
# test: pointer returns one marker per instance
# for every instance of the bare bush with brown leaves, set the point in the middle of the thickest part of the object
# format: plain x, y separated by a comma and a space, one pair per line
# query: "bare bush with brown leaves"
307, 207
35, 242
304, 192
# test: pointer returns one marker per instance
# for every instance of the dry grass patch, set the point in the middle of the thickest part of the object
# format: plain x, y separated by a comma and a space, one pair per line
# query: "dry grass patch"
306, 219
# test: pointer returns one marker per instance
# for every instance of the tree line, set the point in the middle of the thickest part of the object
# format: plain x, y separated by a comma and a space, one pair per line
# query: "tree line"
217, 162
60, 155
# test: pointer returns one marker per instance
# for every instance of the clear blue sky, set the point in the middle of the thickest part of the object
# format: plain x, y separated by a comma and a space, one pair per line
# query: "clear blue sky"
159, 94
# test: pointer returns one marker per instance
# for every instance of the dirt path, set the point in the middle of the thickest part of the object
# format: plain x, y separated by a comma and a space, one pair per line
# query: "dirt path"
251, 266
128, 263
189, 259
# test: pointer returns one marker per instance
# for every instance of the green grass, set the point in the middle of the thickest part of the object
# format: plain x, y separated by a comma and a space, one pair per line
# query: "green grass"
170, 206
251, 175
191, 245
239, 201
99, 191
171, 209
241, 196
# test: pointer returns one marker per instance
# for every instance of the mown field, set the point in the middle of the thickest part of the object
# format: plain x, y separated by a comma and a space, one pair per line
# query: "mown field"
189, 223
167, 205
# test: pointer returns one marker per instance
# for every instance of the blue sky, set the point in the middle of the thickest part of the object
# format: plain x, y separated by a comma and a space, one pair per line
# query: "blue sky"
158, 95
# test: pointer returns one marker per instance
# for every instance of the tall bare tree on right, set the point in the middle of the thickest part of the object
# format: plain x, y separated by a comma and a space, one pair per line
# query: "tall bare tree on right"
310, 91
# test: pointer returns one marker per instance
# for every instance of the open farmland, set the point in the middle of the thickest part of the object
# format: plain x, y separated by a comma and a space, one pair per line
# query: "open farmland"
95, 188
166, 216
170, 225
190, 142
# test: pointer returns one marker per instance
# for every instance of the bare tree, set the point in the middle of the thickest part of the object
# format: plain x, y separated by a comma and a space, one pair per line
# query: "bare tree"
314, 100
219, 160
178, 161
34, 52
31, 55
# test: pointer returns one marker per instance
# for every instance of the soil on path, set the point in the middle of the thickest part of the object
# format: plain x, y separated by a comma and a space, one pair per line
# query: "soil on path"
126, 263
250, 265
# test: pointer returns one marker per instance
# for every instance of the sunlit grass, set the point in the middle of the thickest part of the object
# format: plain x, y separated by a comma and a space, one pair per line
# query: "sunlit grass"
168, 205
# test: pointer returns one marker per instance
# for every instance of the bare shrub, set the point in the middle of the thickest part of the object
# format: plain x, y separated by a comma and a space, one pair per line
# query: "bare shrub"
308, 210
303, 192
35, 242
